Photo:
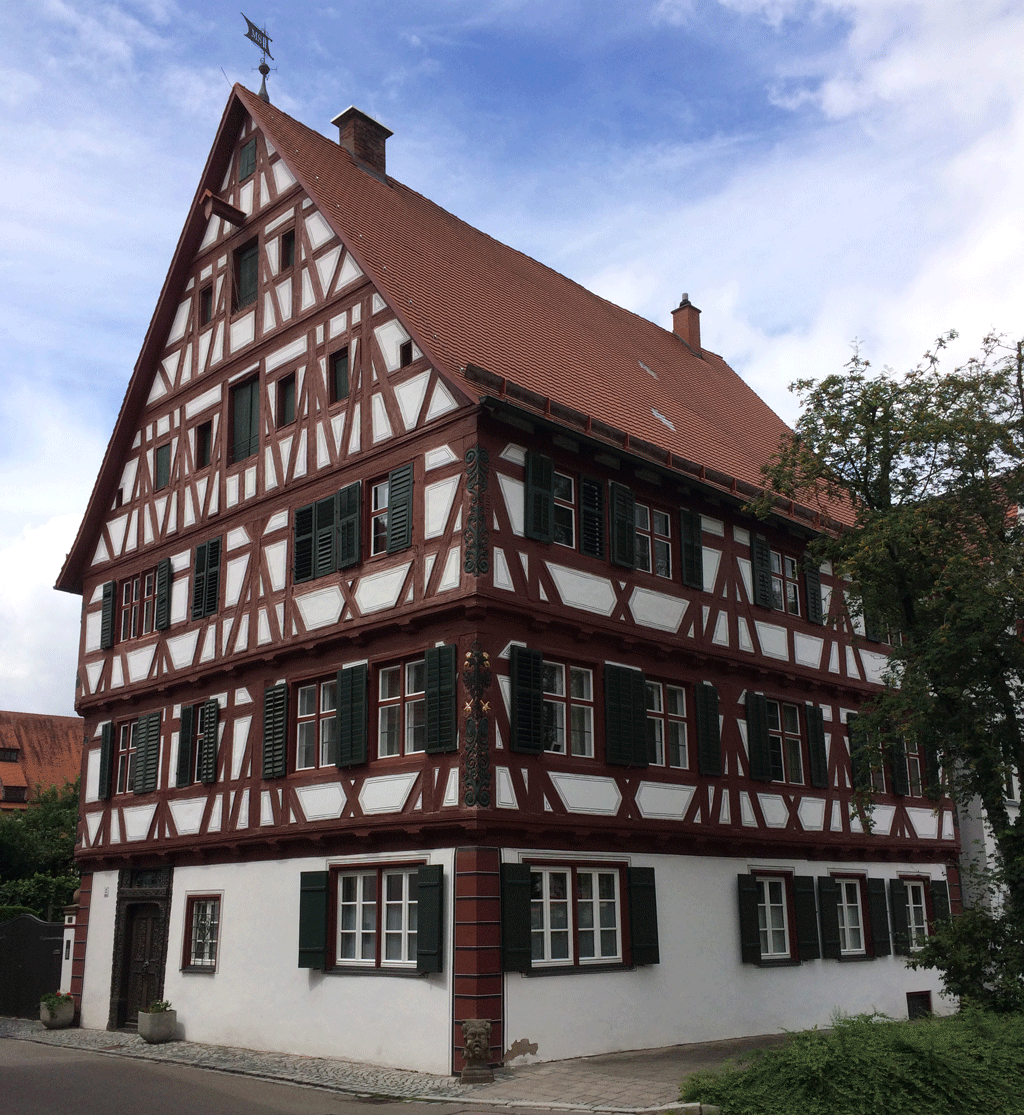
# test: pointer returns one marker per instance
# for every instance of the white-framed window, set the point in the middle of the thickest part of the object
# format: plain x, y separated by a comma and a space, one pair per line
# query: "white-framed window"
401, 710
851, 918
316, 740
773, 918
571, 710
575, 915
653, 540
917, 914
202, 932
564, 521
126, 751
377, 917
785, 742
137, 605
785, 583
666, 725
914, 767
379, 517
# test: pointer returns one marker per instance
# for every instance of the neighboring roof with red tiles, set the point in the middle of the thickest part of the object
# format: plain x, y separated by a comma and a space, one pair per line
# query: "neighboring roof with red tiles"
468, 300
49, 750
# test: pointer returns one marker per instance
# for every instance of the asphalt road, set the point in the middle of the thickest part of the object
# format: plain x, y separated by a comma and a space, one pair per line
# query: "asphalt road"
49, 1080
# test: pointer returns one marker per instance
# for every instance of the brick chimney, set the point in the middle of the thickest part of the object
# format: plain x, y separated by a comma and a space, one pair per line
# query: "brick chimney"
363, 137
686, 323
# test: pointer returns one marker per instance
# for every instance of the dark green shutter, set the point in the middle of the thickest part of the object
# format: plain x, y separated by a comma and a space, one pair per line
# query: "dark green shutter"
442, 734
516, 951
199, 582
898, 763
210, 718
348, 526
107, 616
275, 731
106, 760
872, 626
313, 919
757, 737
816, 746
212, 577
147, 753
339, 374
247, 160
400, 509
540, 496
643, 916
352, 715
878, 918
761, 561
162, 611
812, 587
932, 785
860, 768
940, 902
750, 930
526, 672
430, 918
302, 544
691, 531
900, 918
828, 907
325, 556
625, 716
247, 263
807, 944
592, 518
709, 737
623, 514
186, 742
162, 463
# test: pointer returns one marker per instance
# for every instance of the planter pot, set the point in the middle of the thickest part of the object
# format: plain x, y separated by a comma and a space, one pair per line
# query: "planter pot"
159, 1026
59, 1019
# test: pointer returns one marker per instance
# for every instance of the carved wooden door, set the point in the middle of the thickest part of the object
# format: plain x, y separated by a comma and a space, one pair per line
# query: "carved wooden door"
143, 959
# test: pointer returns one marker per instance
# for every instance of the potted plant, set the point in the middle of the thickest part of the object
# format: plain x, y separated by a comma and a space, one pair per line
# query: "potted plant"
57, 1010
159, 1023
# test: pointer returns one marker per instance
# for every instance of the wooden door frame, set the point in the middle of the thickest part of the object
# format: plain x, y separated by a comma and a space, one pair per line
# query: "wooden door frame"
138, 887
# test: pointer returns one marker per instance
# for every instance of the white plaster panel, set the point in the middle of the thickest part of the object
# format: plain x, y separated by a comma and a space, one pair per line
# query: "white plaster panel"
266, 808
833, 659
317, 229
243, 331
882, 817
386, 794
182, 649
320, 608
139, 662
93, 624
656, 609
381, 424
177, 330
514, 453
441, 402
321, 802
721, 635
712, 526
92, 820
513, 492
187, 814
137, 819
584, 793
289, 352
128, 477
350, 271
500, 574
381, 590
234, 580
93, 670
712, 559
236, 538
355, 430
410, 396
947, 825
283, 177
242, 639
925, 822
116, 672
504, 791
812, 814
585, 590
276, 522
101, 553
851, 663
451, 789
240, 736
773, 806
774, 640
438, 500
807, 649
216, 814
661, 799
874, 666
390, 336
276, 555
325, 266
92, 775
743, 564
438, 457
451, 574
741, 535
243, 811
116, 528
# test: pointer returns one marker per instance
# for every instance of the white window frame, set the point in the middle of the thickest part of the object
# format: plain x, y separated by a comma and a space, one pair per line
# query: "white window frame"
917, 913
785, 742
401, 716
568, 713
773, 917
653, 548
582, 921
785, 583
379, 499
377, 922
320, 721
563, 523
850, 911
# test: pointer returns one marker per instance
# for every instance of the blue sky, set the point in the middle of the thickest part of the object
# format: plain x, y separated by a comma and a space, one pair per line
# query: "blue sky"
809, 171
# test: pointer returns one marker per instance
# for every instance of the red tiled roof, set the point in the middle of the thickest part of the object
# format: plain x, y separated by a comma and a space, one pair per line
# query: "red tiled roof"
50, 749
468, 299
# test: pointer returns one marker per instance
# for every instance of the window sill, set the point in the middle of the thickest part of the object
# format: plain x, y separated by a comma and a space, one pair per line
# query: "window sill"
577, 969
360, 970
855, 959
779, 963
196, 971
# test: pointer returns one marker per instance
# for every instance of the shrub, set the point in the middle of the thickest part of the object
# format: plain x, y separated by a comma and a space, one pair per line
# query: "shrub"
871, 1065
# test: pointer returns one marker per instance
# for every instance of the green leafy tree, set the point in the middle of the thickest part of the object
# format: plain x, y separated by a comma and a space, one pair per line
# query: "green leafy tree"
924, 472
37, 852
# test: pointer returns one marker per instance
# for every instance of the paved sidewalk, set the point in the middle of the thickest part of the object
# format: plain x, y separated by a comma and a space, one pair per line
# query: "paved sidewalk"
640, 1081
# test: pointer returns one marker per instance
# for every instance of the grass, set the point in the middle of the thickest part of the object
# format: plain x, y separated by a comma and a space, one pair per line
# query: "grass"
871, 1065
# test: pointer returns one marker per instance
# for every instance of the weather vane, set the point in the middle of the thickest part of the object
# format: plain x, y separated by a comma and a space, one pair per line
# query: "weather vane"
263, 41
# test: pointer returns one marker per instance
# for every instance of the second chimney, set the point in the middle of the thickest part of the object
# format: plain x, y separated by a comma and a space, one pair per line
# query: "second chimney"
686, 323
363, 137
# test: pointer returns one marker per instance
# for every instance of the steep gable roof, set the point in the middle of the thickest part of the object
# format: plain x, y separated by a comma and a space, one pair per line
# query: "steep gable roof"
471, 303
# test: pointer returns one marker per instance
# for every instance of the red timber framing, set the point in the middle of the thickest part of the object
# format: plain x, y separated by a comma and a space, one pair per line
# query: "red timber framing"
81, 936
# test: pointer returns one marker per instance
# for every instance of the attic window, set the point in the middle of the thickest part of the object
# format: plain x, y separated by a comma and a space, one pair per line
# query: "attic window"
247, 161
405, 354
286, 400
247, 260
288, 249
205, 305
204, 444
15, 793
339, 375
8, 754
162, 466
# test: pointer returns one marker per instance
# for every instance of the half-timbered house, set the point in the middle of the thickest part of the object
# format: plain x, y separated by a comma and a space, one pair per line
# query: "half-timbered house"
432, 668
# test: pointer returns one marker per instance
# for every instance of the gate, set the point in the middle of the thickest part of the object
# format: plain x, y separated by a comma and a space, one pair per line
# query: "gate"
30, 963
